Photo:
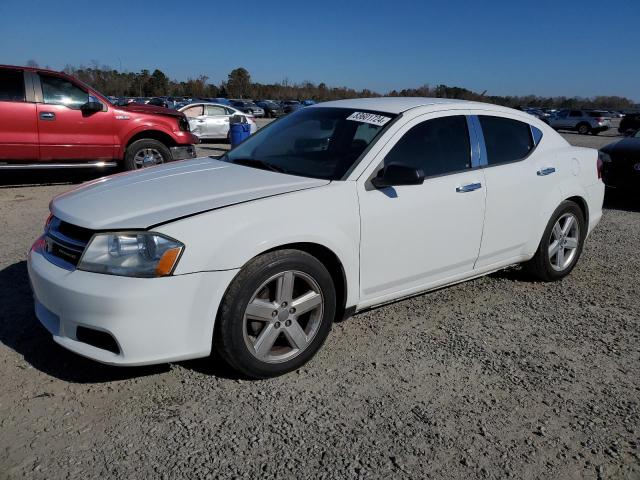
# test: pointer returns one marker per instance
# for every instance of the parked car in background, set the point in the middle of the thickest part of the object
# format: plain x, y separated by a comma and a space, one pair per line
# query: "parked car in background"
629, 124
213, 120
536, 112
581, 121
337, 208
308, 103
621, 163
271, 108
158, 102
248, 107
290, 106
50, 119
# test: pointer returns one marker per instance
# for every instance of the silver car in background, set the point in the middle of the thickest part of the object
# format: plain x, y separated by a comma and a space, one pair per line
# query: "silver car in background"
581, 121
212, 120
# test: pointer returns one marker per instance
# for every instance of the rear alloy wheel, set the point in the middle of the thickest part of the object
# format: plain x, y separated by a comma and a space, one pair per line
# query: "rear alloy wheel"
276, 314
584, 128
561, 244
146, 153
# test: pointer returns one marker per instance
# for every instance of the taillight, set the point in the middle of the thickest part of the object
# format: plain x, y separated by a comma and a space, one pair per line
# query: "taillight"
599, 119
602, 159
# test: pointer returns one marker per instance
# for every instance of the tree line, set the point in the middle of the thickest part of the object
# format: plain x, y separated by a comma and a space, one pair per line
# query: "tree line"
239, 84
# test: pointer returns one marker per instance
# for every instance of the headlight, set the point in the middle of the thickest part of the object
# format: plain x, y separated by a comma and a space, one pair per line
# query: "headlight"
131, 254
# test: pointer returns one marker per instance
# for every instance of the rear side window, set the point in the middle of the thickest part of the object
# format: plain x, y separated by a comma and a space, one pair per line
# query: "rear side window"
11, 85
214, 110
60, 91
506, 140
575, 113
437, 146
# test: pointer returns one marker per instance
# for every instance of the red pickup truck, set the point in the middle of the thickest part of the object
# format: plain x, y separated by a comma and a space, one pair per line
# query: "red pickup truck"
51, 120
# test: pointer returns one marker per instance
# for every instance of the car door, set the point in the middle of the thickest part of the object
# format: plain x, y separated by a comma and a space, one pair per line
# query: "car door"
419, 236
197, 120
217, 121
65, 130
18, 127
521, 183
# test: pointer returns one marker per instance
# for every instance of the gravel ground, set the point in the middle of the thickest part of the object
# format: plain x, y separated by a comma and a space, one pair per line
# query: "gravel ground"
494, 378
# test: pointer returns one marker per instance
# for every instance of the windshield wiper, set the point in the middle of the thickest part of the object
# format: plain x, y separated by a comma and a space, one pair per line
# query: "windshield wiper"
254, 162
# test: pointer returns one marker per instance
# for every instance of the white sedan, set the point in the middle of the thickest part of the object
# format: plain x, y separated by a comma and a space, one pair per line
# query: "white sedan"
209, 121
336, 208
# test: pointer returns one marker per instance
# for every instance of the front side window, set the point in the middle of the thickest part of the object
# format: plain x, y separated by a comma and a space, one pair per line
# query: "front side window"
193, 112
59, 91
11, 85
506, 140
437, 146
315, 142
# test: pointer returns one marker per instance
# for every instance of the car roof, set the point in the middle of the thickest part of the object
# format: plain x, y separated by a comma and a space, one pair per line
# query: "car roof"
398, 104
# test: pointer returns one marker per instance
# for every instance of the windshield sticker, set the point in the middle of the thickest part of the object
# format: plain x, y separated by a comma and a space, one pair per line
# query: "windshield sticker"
371, 118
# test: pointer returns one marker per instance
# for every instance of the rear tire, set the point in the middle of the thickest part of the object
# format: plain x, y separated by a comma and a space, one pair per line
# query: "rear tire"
584, 128
146, 153
561, 244
276, 314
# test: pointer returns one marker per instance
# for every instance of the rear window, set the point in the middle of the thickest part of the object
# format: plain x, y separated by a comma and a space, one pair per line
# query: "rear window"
11, 85
506, 140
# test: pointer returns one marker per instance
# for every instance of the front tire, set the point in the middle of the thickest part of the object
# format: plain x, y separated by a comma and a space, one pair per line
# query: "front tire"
561, 244
276, 314
146, 153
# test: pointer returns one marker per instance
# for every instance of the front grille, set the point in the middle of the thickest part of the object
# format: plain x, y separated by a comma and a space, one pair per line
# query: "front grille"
65, 243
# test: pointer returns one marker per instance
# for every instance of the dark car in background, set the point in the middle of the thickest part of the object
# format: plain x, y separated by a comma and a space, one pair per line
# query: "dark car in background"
271, 108
629, 124
621, 163
290, 106
248, 107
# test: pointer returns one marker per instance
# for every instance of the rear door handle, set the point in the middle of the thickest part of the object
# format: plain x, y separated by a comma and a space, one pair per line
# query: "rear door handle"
469, 187
545, 171
47, 116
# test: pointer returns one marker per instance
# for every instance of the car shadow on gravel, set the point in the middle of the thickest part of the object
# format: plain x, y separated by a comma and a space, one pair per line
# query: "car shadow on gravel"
21, 331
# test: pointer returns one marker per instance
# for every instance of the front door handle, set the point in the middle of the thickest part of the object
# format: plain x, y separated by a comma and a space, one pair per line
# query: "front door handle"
47, 116
469, 187
545, 171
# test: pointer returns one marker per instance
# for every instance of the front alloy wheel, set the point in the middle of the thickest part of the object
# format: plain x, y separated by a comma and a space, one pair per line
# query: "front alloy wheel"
283, 316
276, 314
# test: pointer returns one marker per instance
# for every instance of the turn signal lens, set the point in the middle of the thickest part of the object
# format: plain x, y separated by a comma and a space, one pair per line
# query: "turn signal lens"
167, 262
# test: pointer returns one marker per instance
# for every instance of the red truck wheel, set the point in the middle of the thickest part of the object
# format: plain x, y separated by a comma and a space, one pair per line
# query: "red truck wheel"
145, 153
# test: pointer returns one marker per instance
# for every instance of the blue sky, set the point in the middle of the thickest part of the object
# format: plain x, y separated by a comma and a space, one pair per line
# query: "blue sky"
543, 47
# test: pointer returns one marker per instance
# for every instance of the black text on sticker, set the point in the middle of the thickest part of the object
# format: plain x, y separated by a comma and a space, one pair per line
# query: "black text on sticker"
371, 118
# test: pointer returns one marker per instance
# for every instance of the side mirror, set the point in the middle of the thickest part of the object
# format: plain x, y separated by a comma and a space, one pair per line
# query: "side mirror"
91, 107
396, 174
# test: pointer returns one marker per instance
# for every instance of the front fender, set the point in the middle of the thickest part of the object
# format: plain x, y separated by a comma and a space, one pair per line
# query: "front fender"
229, 237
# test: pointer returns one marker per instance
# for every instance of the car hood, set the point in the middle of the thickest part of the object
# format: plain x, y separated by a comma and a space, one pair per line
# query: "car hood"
622, 147
167, 192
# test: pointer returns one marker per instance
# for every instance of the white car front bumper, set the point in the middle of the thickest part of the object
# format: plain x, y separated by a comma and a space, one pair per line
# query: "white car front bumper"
151, 320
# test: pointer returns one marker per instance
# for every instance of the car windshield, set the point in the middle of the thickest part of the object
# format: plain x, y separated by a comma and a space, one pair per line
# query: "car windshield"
315, 142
